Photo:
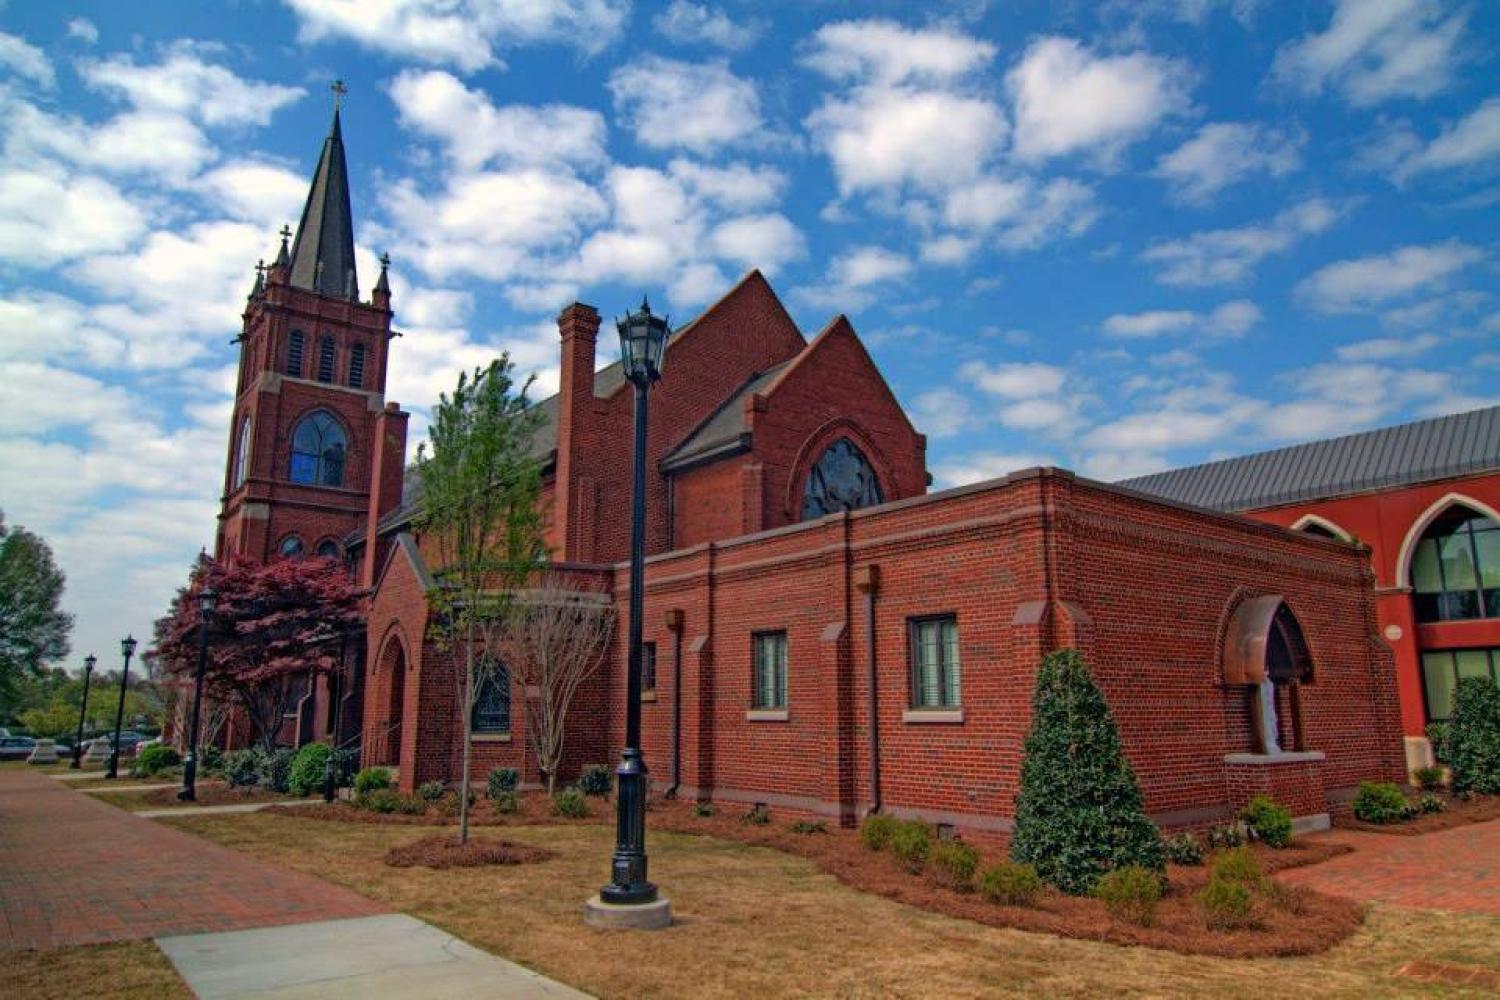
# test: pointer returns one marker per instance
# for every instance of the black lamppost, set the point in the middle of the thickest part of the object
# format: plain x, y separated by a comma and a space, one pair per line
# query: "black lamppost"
643, 339
88, 671
127, 647
189, 792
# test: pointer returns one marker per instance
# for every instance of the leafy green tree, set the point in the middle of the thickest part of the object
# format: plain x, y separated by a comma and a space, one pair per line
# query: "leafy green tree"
481, 488
1079, 813
33, 629
1472, 747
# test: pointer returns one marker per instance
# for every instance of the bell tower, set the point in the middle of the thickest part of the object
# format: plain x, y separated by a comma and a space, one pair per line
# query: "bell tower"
310, 411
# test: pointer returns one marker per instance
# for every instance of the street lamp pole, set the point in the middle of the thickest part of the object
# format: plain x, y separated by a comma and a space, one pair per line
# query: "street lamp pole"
630, 899
88, 672
127, 648
189, 792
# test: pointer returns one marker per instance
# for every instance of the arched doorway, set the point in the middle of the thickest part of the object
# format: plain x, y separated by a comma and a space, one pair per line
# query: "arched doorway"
391, 681
1266, 651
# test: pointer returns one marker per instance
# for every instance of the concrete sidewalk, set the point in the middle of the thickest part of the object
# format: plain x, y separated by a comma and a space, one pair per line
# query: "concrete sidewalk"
390, 957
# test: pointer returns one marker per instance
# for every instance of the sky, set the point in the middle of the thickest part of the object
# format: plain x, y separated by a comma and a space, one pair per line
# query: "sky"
1114, 236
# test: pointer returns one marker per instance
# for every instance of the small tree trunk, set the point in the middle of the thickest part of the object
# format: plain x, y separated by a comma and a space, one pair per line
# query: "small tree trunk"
468, 705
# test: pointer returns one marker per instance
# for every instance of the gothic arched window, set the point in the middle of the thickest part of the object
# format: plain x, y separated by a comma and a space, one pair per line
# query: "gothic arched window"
841, 479
241, 455
291, 547
1455, 568
492, 704
318, 447
327, 549
296, 345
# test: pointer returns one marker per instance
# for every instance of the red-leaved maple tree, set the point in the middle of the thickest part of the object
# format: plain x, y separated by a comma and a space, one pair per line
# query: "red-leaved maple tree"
274, 627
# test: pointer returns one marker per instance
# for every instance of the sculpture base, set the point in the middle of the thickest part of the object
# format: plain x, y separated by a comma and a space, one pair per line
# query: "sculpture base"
642, 917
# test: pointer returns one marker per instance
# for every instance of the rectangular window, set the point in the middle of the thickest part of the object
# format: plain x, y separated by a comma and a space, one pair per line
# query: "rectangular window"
325, 360
769, 650
295, 345
648, 668
934, 662
1443, 669
357, 366
492, 702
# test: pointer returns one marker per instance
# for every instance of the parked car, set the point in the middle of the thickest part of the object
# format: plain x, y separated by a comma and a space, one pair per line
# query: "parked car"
16, 747
130, 741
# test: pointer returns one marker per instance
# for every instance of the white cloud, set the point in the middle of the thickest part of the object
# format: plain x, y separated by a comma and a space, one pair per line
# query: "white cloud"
1150, 324
982, 466
24, 59
475, 132
941, 412
257, 192
463, 33
1015, 380
1354, 285
696, 106
1388, 348
83, 30
764, 241
888, 53
699, 24
1470, 142
852, 274
50, 217
182, 84
1223, 154
1225, 256
44, 326
1069, 100
1374, 50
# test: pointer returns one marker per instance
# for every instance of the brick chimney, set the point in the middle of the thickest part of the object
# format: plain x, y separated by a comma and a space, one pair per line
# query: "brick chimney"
387, 472
578, 326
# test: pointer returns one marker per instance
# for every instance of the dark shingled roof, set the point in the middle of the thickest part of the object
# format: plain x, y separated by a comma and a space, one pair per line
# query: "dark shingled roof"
323, 255
1441, 448
725, 427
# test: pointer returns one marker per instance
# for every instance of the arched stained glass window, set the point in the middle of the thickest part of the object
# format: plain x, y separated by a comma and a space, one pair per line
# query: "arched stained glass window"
492, 704
291, 547
318, 447
241, 455
841, 479
327, 549
1455, 568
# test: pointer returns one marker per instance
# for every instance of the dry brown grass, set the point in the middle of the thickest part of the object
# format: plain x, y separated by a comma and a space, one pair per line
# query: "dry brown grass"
209, 794
445, 851
135, 969
755, 921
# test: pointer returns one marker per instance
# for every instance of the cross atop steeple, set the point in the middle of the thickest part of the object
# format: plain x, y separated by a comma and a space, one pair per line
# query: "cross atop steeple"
339, 90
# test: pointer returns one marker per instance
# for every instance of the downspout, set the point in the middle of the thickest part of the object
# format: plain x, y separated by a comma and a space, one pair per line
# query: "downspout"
674, 625
867, 582
1049, 568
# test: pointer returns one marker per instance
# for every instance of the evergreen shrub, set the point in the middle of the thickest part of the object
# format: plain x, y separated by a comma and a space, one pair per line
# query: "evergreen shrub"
1430, 803
276, 770
1131, 893
1010, 884
502, 781
210, 759
1380, 802
372, 779
911, 844
307, 768
1472, 745
877, 830
155, 759
1079, 813
1226, 905
1429, 779
243, 768
570, 803
1182, 849
507, 803
431, 791
596, 779
809, 826
1268, 821
953, 864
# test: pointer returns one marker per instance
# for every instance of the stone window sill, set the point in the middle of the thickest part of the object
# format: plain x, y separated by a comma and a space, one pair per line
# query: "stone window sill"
1285, 757
492, 737
768, 715
648, 696
930, 716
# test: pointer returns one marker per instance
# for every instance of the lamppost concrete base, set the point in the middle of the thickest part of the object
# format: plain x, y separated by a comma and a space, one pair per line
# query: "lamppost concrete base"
651, 916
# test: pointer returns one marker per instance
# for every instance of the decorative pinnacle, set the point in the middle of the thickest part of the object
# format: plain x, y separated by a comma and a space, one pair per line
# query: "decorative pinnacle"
385, 262
339, 90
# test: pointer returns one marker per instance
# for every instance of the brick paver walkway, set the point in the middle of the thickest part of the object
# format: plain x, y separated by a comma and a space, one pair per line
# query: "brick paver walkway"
1456, 869
76, 871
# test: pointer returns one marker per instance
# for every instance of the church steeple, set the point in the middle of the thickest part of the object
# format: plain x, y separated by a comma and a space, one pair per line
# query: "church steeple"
323, 254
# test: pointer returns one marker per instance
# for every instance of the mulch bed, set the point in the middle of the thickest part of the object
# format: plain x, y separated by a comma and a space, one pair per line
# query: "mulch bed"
1320, 920
442, 851
1477, 809
536, 810
211, 793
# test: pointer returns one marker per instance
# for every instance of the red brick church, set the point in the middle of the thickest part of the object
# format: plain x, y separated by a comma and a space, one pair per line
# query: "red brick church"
824, 635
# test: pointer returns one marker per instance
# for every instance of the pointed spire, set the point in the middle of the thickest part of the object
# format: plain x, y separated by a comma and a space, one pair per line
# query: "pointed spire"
282, 258
383, 283
259, 288
322, 257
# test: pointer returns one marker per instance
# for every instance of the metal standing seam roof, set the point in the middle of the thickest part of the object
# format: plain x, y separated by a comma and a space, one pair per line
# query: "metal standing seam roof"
1440, 448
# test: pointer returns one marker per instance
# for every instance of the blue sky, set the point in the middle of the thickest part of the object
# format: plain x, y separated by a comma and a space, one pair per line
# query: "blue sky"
1116, 237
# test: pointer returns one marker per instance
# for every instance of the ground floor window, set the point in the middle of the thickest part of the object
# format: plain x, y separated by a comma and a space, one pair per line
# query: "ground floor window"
1442, 669
770, 669
648, 668
934, 662
492, 705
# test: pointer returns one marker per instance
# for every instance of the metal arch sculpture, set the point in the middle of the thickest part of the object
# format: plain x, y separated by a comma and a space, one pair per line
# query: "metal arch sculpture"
841, 479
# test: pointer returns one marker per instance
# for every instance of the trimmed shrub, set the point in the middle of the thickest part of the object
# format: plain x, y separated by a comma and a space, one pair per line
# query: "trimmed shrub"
1238, 867
507, 803
1429, 779
953, 864
1226, 836
1182, 849
503, 781
154, 759
911, 844
276, 773
372, 779
411, 805
1226, 905
758, 815
1379, 802
570, 804
1430, 803
1130, 893
431, 791
809, 826
1010, 884
380, 800
1472, 746
1437, 736
243, 768
877, 830
1079, 813
704, 810
307, 768
210, 759
596, 779
1268, 821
